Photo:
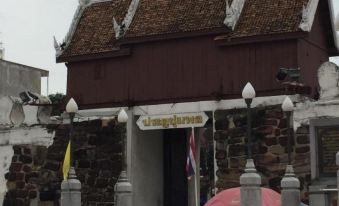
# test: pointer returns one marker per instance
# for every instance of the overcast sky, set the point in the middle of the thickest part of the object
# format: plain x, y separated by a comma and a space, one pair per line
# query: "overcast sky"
27, 28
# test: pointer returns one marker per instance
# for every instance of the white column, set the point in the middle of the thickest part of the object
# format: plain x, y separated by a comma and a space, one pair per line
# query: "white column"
250, 182
129, 134
6, 154
337, 162
123, 188
123, 191
290, 193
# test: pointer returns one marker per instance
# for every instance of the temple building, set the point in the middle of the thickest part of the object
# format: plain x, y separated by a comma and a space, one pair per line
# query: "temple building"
182, 64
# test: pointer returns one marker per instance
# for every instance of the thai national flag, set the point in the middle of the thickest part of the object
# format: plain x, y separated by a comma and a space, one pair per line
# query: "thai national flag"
190, 163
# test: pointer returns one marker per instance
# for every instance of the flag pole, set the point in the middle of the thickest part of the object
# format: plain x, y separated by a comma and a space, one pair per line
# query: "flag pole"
196, 172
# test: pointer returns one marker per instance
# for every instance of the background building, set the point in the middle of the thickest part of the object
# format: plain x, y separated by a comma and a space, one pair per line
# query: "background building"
16, 78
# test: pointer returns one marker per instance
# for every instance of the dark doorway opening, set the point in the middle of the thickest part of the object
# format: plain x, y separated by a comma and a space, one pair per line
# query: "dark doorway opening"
175, 178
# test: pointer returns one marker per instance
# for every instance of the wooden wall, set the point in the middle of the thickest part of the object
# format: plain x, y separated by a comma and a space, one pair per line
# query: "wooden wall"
180, 70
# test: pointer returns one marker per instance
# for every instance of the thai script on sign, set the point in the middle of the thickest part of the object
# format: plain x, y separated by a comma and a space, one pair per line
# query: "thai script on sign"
172, 121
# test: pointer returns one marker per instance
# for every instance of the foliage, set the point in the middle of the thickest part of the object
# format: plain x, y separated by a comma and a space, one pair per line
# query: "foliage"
56, 98
58, 101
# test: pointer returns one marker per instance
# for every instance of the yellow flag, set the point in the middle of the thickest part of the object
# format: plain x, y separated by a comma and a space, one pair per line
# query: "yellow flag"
67, 161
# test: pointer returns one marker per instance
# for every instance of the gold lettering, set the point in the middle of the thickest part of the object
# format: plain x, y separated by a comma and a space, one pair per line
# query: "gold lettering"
198, 120
165, 123
192, 120
147, 122
185, 120
178, 120
158, 122
172, 121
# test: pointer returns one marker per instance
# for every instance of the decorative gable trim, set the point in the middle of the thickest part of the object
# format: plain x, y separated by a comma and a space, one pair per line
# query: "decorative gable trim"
308, 14
120, 30
233, 13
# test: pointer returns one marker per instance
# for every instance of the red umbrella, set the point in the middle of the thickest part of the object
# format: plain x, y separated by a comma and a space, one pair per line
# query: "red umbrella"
231, 197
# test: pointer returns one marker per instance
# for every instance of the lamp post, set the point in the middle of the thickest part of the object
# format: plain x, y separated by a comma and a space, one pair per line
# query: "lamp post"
250, 181
123, 118
123, 188
71, 109
290, 193
288, 108
248, 93
71, 187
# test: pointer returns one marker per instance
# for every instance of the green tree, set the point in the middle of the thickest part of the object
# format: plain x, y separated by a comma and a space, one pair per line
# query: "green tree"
57, 100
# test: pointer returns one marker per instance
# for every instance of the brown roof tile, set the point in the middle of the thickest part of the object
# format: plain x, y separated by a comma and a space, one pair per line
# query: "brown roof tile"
261, 17
94, 33
155, 17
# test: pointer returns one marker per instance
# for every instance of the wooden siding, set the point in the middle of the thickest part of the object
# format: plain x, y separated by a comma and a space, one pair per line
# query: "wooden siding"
180, 70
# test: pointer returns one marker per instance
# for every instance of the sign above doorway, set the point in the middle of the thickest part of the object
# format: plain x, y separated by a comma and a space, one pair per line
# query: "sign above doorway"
172, 121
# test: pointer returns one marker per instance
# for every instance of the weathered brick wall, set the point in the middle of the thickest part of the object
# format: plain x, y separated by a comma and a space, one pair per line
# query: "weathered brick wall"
22, 184
269, 148
35, 173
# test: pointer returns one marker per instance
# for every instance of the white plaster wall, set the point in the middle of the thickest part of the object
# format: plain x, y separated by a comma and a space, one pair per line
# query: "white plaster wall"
147, 167
6, 154
18, 126
36, 135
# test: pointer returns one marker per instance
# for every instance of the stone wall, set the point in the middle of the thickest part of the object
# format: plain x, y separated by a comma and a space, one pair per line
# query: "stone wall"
21, 178
269, 148
35, 173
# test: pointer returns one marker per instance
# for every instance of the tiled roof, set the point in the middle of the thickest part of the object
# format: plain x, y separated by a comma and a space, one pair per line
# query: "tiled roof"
260, 17
95, 34
155, 17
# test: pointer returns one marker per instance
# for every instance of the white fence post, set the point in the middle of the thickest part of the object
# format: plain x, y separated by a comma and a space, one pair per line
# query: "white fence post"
250, 182
123, 191
290, 193
337, 162
71, 190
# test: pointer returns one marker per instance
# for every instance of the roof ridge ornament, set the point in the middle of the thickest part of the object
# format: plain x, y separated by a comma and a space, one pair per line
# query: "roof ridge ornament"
116, 28
308, 14
233, 13
83, 2
120, 30
57, 46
